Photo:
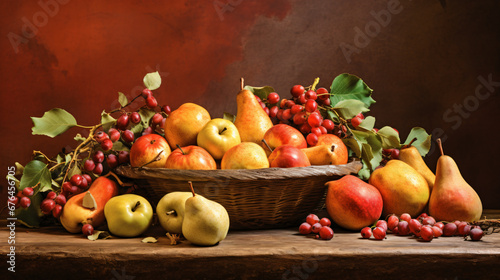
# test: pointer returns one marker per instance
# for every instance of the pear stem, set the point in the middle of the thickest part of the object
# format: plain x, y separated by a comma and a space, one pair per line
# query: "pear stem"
267, 145
440, 146
242, 83
135, 206
191, 186
179, 147
409, 144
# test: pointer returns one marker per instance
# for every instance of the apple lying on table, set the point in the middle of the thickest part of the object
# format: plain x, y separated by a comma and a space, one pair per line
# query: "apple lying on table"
128, 215
218, 136
288, 156
280, 135
170, 211
151, 150
192, 158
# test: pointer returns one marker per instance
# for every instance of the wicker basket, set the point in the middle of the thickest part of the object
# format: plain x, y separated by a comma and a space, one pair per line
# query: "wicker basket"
255, 199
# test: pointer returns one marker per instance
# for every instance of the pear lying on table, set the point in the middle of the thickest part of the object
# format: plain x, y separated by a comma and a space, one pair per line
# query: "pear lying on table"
206, 222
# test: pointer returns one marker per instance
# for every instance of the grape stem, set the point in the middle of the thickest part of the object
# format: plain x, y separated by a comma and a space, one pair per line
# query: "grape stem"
77, 151
126, 105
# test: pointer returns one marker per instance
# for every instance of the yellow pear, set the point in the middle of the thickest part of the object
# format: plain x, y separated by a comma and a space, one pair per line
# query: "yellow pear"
403, 189
246, 155
324, 155
251, 120
413, 158
452, 197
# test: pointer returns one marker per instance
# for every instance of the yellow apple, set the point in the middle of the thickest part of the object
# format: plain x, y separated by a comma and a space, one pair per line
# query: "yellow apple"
218, 136
246, 155
183, 125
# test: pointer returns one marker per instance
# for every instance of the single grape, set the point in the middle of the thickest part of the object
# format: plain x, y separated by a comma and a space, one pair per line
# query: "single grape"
449, 229
146, 93
305, 128
128, 136
395, 154
312, 139
166, 109
415, 226
60, 199
366, 232
427, 233
322, 93
379, 233
66, 186
28, 191
107, 145
88, 178
328, 124
123, 157
382, 224
437, 231
299, 118
147, 130
405, 217
305, 228
151, 102
76, 179
84, 183
316, 227
89, 165
112, 161
289, 104
325, 222
101, 136
323, 129
317, 131
56, 212
463, 229
403, 228
326, 102
392, 222
87, 229
311, 95
279, 115
135, 117
326, 233
25, 202
429, 220
314, 120
114, 134
312, 219
311, 105
273, 98
296, 109
98, 157
297, 90
122, 122
47, 205
395, 230
287, 114
51, 195
361, 116
439, 225
98, 169
265, 110
356, 121
273, 111
302, 99
476, 234
74, 189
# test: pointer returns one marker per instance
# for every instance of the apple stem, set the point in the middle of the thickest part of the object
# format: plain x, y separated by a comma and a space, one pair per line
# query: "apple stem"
224, 129
135, 206
170, 212
267, 145
440, 146
242, 83
191, 186
179, 147
157, 158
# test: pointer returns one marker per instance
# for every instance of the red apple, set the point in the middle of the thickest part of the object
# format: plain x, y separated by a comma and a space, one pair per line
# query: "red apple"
352, 203
191, 157
288, 156
283, 134
151, 150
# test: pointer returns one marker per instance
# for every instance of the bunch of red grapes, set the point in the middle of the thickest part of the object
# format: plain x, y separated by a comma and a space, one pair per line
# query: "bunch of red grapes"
303, 111
320, 227
424, 227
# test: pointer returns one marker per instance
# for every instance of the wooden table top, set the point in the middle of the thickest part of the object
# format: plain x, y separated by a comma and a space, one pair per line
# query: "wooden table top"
52, 253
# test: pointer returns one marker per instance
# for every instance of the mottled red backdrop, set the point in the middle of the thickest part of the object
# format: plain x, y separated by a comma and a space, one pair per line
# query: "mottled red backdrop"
433, 64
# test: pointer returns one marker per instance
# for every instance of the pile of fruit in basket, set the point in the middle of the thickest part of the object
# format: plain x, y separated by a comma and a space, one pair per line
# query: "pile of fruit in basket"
315, 126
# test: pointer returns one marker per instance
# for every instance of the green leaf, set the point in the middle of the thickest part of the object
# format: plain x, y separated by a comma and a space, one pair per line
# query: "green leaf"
107, 121
152, 80
32, 215
56, 184
67, 158
122, 99
349, 108
346, 86
261, 92
74, 170
19, 168
371, 150
53, 123
332, 116
229, 116
367, 124
137, 128
389, 137
423, 142
353, 145
119, 146
59, 158
13, 179
146, 115
35, 172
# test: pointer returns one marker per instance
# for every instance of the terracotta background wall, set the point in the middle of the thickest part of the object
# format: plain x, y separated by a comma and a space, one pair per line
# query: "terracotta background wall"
427, 62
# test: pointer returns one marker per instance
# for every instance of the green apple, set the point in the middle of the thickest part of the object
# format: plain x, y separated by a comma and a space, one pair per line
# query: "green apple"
170, 211
128, 215
218, 136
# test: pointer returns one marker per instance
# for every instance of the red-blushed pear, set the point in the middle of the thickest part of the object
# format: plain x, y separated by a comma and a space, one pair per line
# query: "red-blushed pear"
403, 189
325, 155
283, 134
246, 155
288, 156
452, 198
412, 157
352, 203
341, 149
151, 150
192, 158
251, 120
75, 214
183, 124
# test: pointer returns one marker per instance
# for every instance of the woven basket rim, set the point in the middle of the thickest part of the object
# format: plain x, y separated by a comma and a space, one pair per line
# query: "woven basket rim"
239, 174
